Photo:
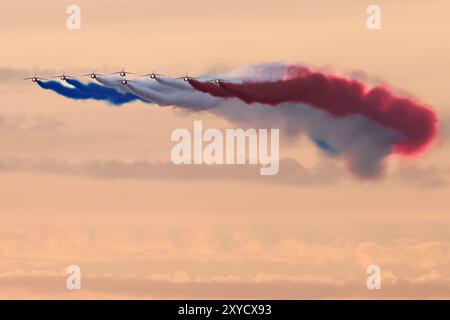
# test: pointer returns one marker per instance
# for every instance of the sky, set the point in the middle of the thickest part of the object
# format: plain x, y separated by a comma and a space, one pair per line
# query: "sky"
89, 184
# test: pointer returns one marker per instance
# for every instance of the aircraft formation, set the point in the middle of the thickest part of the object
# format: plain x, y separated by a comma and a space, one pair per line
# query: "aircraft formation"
123, 73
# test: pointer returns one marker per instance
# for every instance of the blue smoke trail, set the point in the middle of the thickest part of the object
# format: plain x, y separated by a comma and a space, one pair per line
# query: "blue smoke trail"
322, 144
82, 91
101, 92
56, 86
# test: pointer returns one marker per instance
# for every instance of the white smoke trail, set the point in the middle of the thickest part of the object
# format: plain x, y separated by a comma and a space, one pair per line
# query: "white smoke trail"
113, 82
174, 83
190, 99
361, 143
152, 84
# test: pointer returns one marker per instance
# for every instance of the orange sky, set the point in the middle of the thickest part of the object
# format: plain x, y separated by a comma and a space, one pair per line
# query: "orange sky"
227, 236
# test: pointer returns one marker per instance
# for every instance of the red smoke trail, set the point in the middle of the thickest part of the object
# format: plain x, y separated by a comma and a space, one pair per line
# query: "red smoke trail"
340, 97
209, 87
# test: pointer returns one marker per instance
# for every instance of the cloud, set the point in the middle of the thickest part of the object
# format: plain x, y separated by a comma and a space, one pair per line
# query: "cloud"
143, 261
14, 76
221, 248
51, 285
445, 128
291, 172
9, 74
424, 177
21, 122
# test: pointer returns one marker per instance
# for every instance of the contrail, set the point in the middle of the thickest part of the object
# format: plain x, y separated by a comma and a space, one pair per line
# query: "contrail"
358, 125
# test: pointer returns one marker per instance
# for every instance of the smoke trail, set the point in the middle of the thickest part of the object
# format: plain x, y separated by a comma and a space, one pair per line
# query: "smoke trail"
264, 72
67, 92
211, 88
186, 98
325, 147
361, 127
340, 97
360, 143
174, 83
100, 92
113, 82
81, 91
